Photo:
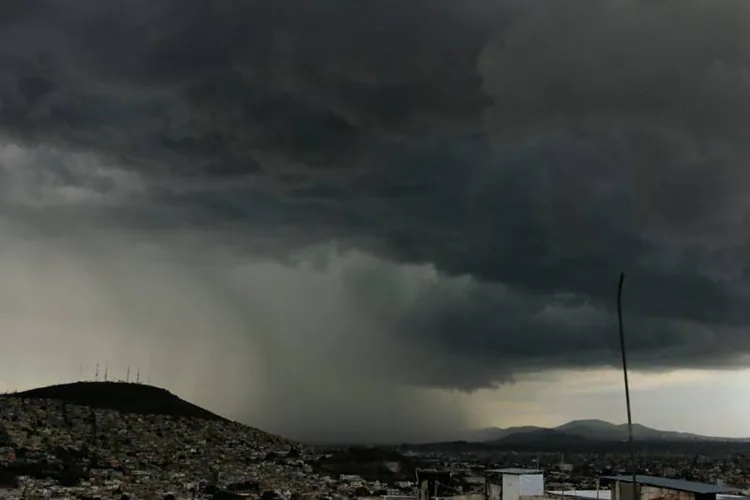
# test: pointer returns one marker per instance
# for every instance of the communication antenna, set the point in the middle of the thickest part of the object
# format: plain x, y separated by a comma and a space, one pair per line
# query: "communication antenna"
127, 378
625, 377
96, 373
106, 370
138, 376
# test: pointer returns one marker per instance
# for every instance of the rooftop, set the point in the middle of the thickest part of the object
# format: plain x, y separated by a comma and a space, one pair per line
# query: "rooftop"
672, 484
515, 470
582, 494
607, 495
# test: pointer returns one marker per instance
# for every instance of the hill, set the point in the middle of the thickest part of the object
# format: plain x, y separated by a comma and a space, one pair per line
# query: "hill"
121, 396
68, 443
595, 430
606, 431
489, 434
550, 437
584, 435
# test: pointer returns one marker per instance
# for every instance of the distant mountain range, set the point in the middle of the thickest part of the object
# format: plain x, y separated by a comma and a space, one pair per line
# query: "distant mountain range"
577, 430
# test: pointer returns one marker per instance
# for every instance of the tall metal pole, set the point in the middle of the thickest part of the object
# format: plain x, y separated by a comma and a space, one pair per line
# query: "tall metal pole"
627, 385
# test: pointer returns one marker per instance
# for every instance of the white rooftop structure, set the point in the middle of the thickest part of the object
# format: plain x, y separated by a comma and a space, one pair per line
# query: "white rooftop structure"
516, 483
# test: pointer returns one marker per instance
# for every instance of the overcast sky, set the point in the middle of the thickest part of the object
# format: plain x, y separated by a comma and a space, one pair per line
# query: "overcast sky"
381, 220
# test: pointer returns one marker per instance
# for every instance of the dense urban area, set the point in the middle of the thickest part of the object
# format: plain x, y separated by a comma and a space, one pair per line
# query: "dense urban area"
51, 448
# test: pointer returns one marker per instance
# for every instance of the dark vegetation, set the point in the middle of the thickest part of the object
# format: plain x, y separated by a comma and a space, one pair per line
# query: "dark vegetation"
67, 473
371, 463
120, 396
573, 444
4, 436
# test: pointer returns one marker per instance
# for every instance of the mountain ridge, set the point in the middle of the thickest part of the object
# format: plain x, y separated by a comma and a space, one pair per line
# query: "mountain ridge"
590, 429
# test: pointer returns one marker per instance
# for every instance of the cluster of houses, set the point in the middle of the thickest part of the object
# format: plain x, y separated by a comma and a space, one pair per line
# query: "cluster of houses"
48, 449
53, 450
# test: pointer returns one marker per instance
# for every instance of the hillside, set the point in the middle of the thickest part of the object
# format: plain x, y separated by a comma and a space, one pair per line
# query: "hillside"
72, 446
121, 396
495, 433
584, 435
551, 437
595, 430
601, 430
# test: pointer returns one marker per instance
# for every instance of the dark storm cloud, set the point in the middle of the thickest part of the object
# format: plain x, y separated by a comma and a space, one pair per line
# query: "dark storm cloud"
528, 153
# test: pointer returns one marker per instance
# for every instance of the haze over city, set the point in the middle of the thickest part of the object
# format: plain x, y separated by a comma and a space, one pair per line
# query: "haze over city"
381, 221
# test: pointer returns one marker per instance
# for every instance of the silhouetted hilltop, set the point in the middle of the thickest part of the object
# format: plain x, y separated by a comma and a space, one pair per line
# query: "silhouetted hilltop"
588, 436
121, 396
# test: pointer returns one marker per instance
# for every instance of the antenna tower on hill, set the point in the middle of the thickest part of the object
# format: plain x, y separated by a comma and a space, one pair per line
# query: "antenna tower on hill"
96, 373
106, 370
127, 378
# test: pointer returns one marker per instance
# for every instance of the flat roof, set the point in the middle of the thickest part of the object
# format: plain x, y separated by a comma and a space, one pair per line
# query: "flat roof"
515, 470
607, 495
672, 484
583, 494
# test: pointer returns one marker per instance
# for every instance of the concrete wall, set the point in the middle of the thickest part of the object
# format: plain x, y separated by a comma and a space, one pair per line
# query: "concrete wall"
653, 493
511, 487
623, 491
495, 492
516, 486
473, 496
531, 485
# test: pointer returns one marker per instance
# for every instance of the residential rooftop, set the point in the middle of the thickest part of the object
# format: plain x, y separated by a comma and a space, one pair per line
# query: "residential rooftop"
516, 471
672, 484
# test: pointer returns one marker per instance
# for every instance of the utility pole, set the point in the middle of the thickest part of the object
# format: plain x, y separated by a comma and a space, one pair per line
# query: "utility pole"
621, 331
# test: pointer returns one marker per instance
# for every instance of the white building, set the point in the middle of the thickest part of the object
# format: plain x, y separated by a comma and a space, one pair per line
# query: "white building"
515, 484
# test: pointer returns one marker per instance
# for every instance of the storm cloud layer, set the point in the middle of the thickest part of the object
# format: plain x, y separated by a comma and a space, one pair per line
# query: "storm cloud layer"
393, 195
